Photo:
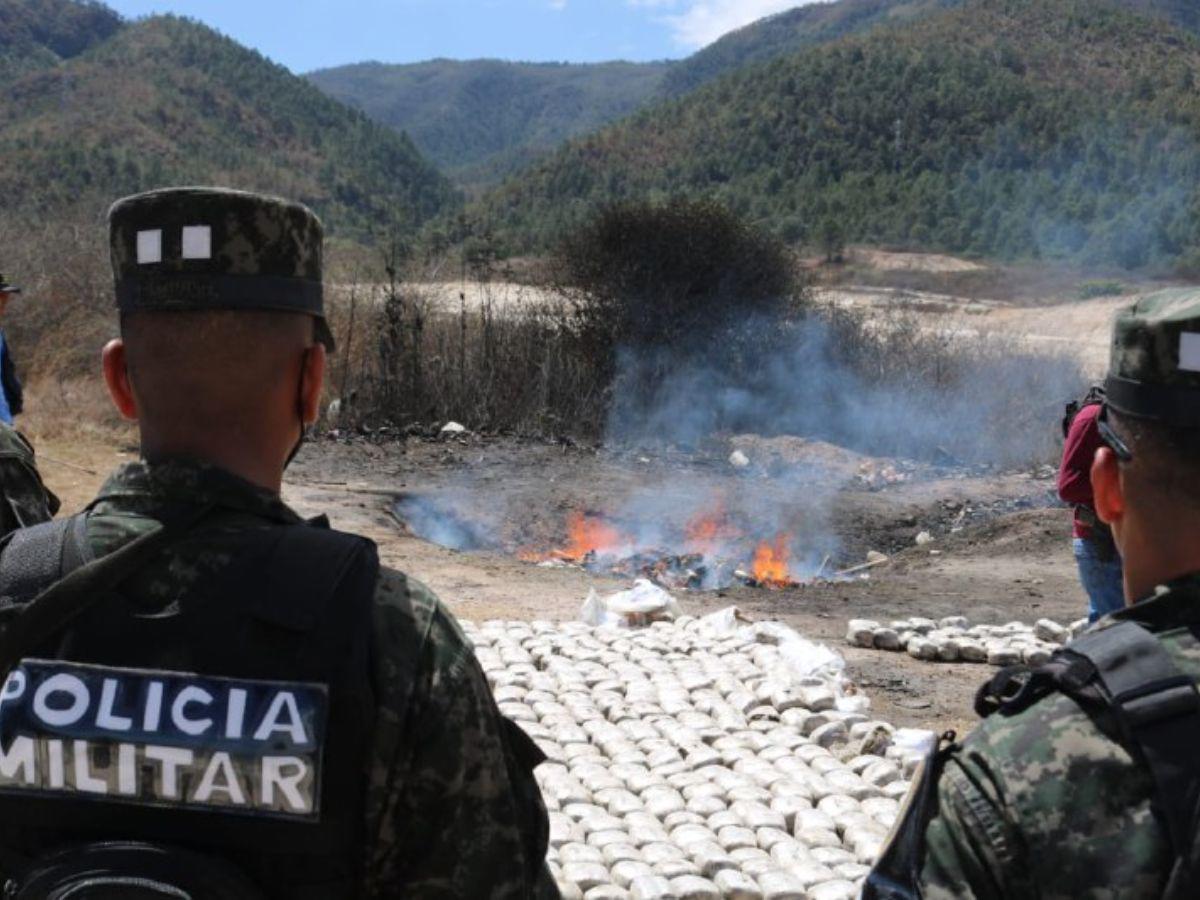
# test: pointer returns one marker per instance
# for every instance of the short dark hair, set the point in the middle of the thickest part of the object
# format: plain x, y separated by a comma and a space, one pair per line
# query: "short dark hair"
1168, 455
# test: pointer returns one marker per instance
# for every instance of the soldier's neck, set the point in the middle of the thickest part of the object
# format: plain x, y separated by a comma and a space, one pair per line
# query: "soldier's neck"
1153, 563
235, 456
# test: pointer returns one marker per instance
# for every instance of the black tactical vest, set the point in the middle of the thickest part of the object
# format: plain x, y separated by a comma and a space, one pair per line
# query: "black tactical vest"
292, 609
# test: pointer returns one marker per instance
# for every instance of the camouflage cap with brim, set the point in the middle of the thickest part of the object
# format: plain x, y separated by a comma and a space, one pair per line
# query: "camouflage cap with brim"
6, 288
195, 248
1154, 371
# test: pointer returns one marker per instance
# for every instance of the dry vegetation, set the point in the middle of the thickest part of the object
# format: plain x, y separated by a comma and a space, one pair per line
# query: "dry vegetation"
675, 283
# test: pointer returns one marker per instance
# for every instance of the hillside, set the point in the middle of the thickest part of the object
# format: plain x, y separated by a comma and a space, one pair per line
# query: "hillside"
807, 26
1061, 129
484, 119
167, 101
39, 33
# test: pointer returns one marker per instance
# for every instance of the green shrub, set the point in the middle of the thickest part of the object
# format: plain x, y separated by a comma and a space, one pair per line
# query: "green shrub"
1091, 289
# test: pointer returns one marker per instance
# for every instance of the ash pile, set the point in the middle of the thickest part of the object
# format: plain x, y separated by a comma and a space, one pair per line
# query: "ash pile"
700, 758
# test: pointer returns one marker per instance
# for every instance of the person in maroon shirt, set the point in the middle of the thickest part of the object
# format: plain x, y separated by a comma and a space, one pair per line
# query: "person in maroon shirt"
1096, 555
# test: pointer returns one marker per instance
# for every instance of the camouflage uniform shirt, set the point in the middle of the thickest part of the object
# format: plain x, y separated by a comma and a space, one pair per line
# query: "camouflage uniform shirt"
1042, 804
24, 500
452, 808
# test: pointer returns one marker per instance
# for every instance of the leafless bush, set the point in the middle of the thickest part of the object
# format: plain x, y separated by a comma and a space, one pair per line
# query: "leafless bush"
990, 397
493, 366
64, 316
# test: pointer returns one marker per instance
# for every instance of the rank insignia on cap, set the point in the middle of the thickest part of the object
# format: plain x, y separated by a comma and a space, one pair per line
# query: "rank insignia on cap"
149, 246
197, 242
1189, 351
195, 248
1154, 371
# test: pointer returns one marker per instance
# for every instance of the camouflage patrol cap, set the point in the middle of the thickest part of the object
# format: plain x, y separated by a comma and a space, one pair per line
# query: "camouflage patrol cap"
195, 248
1154, 372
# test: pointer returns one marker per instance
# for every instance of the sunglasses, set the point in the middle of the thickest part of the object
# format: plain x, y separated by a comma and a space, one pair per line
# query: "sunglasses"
1111, 439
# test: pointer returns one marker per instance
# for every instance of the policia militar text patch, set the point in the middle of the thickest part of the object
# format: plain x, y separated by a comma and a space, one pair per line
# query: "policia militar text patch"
166, 739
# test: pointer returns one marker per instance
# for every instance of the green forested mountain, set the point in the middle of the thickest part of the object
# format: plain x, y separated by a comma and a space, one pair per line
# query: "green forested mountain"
806, 26
1017, 128
40, 33
484, 119
790, 32
168, 101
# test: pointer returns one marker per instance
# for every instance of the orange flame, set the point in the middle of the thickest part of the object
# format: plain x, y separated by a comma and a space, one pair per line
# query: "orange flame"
708, 532
771, 562
588, 534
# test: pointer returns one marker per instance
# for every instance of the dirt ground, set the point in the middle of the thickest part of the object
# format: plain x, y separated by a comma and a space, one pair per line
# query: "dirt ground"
1008, 558
1001, 550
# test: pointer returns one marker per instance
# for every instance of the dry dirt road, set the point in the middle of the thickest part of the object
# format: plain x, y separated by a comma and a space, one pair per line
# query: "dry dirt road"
1079, 329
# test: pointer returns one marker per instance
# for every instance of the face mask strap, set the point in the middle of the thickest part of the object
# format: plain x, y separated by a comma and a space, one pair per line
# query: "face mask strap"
304, 429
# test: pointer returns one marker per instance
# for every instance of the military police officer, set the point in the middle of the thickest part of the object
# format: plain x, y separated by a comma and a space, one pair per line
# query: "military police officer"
192, 665
1083, 780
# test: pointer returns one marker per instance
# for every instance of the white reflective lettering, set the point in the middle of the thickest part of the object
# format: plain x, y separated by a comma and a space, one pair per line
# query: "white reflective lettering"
285, 773
54, 757
19, 757
14, 686
106, 718
64, 684
127, 769
153, 711
222, 765
84, 780
235, 713
285, 701
188, 696
170, 759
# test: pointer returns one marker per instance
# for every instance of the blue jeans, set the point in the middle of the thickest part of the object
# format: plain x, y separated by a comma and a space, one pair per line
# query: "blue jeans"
1101, 579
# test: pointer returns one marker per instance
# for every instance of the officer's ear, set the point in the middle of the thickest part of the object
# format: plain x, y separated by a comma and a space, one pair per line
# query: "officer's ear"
312, 379
1107, 488
116, 375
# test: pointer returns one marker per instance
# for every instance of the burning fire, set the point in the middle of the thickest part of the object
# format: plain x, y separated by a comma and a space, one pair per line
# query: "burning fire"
589, 535
770, 565
709, 533
707, 551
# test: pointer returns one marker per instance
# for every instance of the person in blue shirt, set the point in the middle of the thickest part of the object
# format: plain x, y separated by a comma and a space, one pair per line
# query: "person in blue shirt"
11, 395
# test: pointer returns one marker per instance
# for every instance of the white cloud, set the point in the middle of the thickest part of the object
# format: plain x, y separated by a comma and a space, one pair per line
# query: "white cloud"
558, 5
700, 22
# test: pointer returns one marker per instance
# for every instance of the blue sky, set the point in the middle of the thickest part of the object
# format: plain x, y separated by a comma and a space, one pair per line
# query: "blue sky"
311, 34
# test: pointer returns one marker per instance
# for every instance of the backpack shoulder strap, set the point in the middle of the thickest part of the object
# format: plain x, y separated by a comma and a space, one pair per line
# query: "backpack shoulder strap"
1152, 706
1157, 710
34, 557
26, 623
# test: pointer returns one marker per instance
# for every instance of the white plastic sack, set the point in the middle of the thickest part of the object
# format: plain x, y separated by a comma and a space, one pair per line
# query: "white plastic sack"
642, 604
806, 660
722, 623
593, 611
853, 703
915, 740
